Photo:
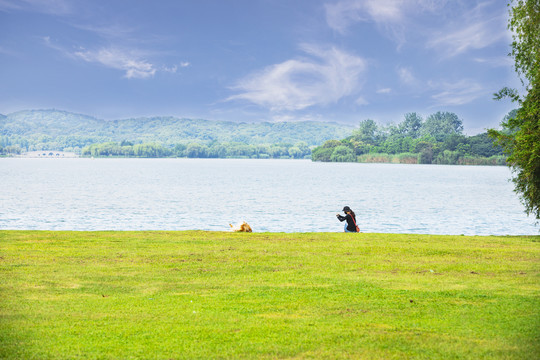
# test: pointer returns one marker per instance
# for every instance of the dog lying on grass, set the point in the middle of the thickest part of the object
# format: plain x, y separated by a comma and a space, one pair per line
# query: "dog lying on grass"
243, 227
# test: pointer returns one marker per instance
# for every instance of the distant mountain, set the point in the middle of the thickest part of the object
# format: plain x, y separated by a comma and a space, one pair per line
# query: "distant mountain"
58, 130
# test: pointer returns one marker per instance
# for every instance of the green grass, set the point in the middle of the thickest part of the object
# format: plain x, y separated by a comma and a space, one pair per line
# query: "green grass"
205, 295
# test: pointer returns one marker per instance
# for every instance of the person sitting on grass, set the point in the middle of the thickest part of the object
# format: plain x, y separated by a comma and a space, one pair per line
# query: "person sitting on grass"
351, 220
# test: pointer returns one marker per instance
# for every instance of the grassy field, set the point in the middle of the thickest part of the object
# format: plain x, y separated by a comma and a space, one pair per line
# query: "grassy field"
219, 295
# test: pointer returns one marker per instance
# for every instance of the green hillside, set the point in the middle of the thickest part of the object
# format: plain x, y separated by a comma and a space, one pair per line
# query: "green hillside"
61, 130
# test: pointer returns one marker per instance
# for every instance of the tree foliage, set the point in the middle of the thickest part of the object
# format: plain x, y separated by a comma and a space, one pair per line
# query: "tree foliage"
442, 124
410, 127
437, 140
520, 137
299, 150
367, 132
61, 130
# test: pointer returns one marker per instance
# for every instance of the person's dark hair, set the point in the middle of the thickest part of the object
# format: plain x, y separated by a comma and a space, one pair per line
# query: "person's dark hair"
346, 208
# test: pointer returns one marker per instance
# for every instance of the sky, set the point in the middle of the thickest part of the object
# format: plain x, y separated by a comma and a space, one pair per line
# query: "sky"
258, 60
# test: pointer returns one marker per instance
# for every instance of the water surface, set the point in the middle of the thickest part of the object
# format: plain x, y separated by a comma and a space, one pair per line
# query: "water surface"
271, 195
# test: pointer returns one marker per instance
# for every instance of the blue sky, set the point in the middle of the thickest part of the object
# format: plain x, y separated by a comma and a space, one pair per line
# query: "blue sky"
258, 60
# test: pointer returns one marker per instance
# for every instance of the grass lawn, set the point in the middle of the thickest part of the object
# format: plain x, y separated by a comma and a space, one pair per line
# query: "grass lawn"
206, 295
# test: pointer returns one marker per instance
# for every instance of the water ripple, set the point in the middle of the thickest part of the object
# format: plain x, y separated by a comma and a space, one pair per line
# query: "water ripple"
271, 195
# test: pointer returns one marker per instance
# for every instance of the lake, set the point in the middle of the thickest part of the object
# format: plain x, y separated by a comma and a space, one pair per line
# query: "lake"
271, 195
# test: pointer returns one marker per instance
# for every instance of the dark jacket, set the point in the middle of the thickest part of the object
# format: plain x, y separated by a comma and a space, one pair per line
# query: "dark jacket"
350, 223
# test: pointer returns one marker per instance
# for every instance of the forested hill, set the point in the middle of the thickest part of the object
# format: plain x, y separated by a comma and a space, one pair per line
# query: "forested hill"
60, 130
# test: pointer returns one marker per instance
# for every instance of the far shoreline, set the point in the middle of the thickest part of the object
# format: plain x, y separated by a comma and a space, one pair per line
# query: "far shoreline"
375, 158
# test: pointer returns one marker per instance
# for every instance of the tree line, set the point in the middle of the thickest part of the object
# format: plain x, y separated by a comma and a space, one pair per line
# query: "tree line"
10, 150
300, 150
33, 130
438, 139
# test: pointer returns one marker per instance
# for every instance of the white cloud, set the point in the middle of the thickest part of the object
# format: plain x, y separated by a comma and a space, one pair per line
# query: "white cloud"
391, 15
342, 14
324, 77
127, 61
476, 30
384, 91
52, 7
131, 61
361, 101
296, 118
48, 42
458, 93
406, 76
385, 11
502, 61
474, 36
8, 5
8, 52
114, 32
471, 28
173, 69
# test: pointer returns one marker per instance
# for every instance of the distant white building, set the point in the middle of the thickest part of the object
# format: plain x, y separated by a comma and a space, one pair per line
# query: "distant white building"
49, 154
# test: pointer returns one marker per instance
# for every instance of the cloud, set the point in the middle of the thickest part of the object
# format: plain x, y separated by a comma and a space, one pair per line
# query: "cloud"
361, 101
50, 43
324, 77
6, 5
472, 28
458, 93
131, 61
173, 69
390, 15
406, 76
385, 11
384, 91
474, 36
476, 30
124, 53
127, 61
342, 14
297, 118
501, 61
111, 32
52, 7
8, 52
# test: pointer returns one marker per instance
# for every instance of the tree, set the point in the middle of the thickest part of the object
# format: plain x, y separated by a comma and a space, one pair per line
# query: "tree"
179, 150
452, 141
304, 148
126, 143
521, 141
321, 154
331, 144
442, 124
196, 150
343, 153
411, 125
483, 145
360, 147
366, 132
295, 152
425, 152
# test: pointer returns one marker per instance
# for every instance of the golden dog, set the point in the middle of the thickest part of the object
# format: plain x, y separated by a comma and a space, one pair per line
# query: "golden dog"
243, 227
